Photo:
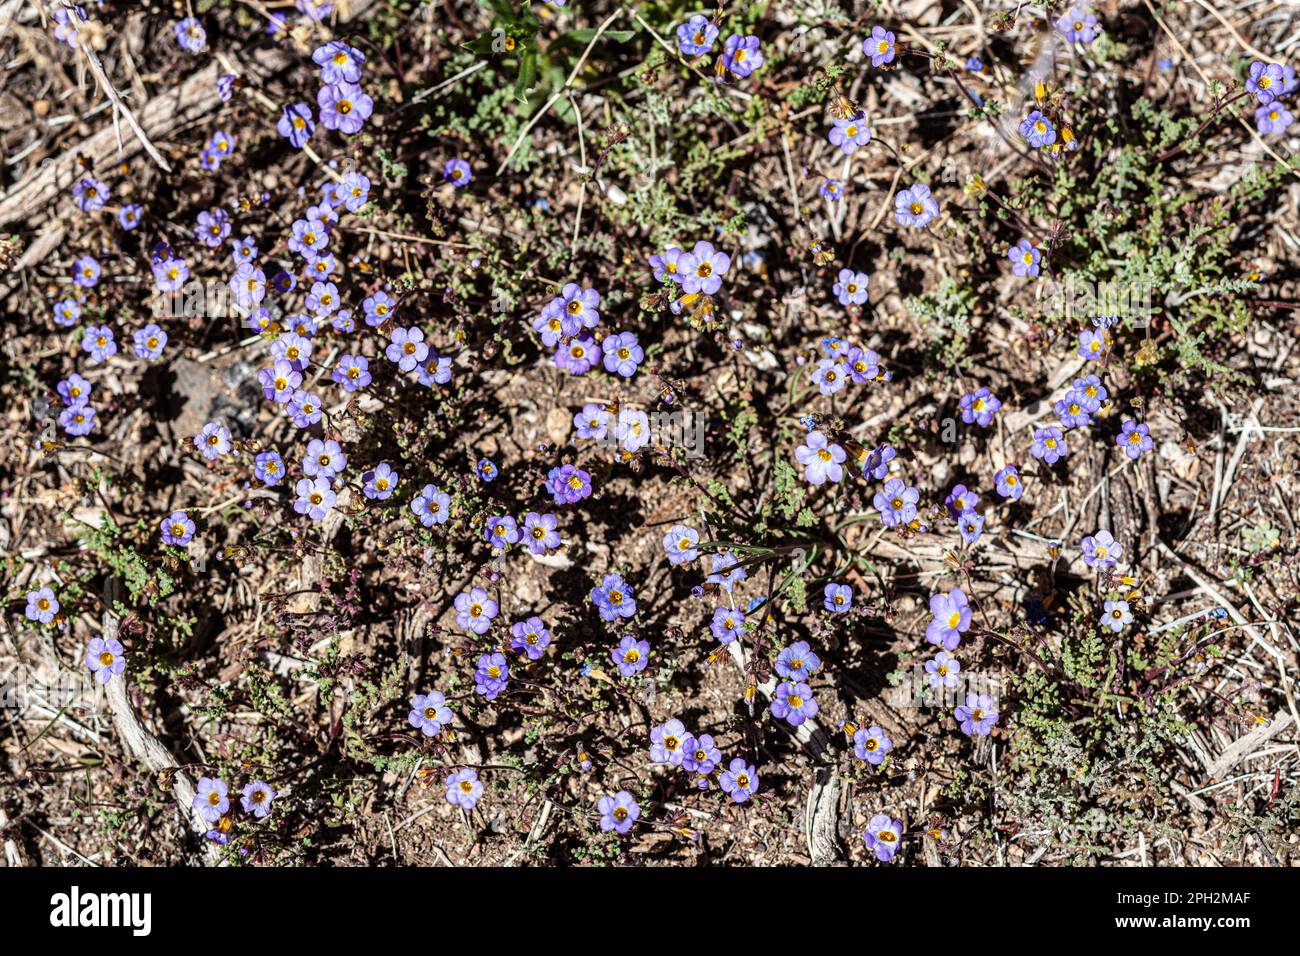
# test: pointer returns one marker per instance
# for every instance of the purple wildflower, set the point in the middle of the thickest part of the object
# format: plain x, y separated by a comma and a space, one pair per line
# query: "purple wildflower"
739, 780
630, 655
883, 836
798, 662
879, 46
491, 675
344, 107
837, 598
977, 715
1134, 438
896, 503
1049, 445
315, 497
539, 532
475, 611
429, 713
613, 598
849, 134
379, 482
950, 618
1008, 484
1101, 550
871, 744
822, 460
210, 798
177, 529
213, 441
463, 788
530, 637
793, 703
618, 812
256, 798
457, 172
42, 605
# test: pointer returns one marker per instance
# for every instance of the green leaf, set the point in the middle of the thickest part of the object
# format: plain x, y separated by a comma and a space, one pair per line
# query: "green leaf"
527, 73
585, 36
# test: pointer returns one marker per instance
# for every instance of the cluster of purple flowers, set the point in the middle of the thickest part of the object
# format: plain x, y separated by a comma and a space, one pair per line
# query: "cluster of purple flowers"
962, 503
77, 417
672, 745
698, 272
793, 701
219, 145
343, 104
568, 484
212, 802
1271, 83
1084, 400
846, 363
